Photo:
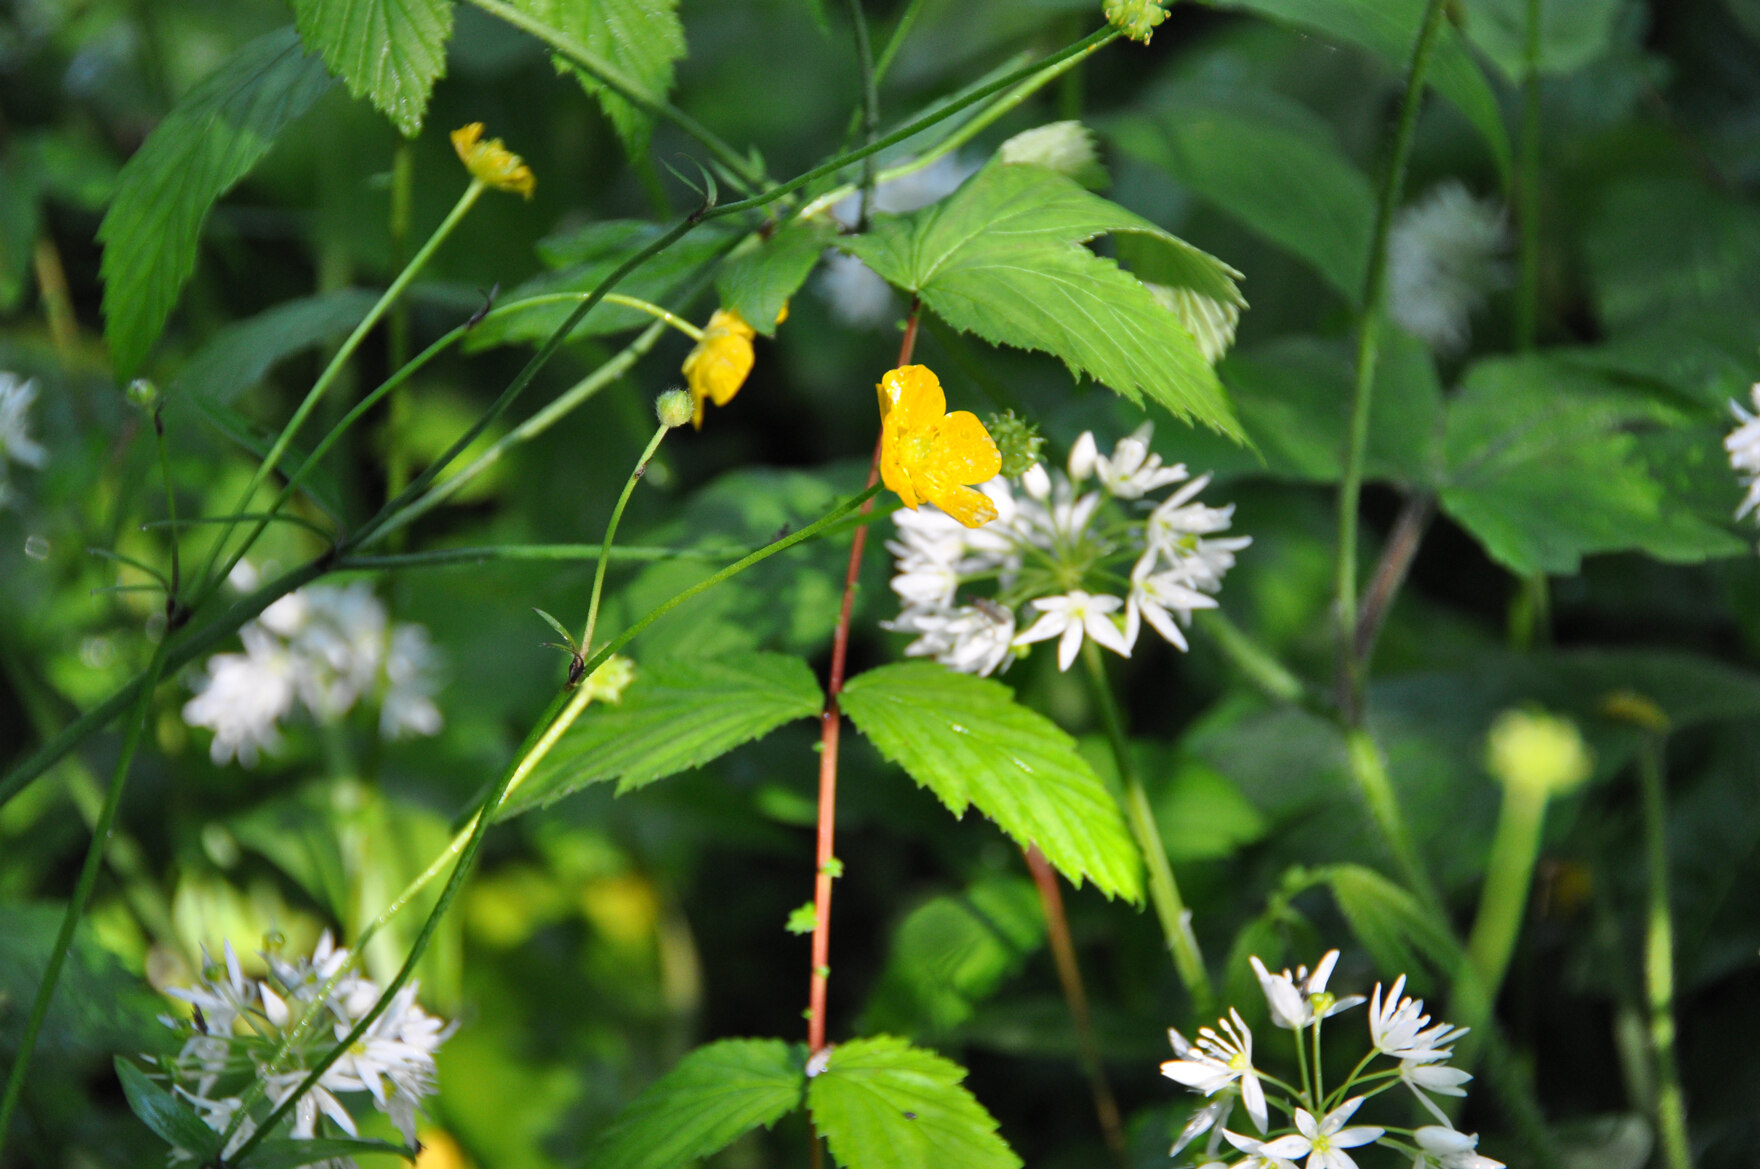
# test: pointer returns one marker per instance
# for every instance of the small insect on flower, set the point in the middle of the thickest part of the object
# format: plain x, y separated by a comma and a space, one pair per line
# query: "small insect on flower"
929, 455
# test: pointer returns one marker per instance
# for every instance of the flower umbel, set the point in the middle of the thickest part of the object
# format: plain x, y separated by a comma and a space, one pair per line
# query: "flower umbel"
930, 456
239, 1024
491, 163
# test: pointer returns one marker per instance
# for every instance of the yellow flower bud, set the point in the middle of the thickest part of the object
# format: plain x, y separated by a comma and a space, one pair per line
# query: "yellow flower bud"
491, 163
719, 364
1533, 749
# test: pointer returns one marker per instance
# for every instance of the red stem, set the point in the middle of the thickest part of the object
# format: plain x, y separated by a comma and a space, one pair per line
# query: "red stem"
831, 723
1063, 950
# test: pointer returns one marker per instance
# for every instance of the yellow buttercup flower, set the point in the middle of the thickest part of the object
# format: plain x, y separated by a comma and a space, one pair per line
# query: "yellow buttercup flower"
718, 366
927, 453
491, 162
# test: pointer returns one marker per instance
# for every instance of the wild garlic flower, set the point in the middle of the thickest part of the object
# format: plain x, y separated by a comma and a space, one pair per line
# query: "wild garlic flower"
1222, 1057
1318, 1132
238, 1023
325, 648
491, 163
1742, 443
1301, 999
1445, 255
1071, 555
16, 443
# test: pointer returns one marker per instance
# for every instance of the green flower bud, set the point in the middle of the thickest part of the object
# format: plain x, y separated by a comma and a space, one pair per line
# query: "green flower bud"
1533, 749
1017, 440
1136, 18
674, 408
144, 394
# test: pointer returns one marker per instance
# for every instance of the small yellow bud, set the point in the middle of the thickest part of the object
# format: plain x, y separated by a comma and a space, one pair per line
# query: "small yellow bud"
674, 408
1533, 749
491, 163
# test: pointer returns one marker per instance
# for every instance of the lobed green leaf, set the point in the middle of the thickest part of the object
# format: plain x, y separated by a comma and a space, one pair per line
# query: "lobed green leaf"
758, 280
210, 141
674, 717
882, 1104
715, 1095
967, 740
642, 39
391, 51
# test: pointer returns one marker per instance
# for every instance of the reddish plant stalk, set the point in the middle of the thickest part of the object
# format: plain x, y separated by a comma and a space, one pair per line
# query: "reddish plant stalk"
1063, 950
830, 725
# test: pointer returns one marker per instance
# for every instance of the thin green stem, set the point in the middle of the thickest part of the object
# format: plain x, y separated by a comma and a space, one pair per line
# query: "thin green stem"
1368, 342
1528, 281
1260, 666
82, 893
211, 579
900, 31
297, 521
1170, 909
1369, 773
1671, 1109
173, 611
1509, 874
485, 553
629, 488
870, 104
627, 88
403, 184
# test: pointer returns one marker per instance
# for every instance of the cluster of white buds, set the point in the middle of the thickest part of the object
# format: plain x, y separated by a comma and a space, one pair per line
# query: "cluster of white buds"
238, 1025
323, 647
1220, 1066
1058, 549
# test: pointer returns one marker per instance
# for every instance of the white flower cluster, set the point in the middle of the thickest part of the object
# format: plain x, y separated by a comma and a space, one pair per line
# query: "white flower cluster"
239, 1023
1444, 257
1220, 1066
1743, 445
16, 443
1057, 548
324, 647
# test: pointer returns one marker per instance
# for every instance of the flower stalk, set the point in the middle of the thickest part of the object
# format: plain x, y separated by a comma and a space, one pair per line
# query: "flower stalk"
1671, 1111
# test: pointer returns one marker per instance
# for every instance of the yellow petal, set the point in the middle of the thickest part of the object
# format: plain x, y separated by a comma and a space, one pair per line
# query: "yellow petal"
971, 508
914, 392
719, 364
492, 163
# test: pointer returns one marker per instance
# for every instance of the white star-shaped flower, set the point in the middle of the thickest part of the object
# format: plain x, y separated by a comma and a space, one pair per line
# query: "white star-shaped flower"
1447, 1149
1134, 470
1069, 616
1403, 1030
1222, 1056
1323, 1142
1423, 1077
1298, 999
1743, 445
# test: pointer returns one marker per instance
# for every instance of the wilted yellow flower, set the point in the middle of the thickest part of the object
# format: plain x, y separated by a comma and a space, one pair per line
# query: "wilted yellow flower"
718, 366
929, 454
1533, 749
491, 162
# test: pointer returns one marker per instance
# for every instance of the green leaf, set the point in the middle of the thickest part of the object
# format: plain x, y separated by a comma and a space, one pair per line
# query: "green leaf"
1572, 34
1003, 258
390, 50
967, 740
289, 1153
1543, 467
1672, 248
174, 1121
715, 1095
1390, 922
641, 39
758, 280
586, 257
239, 356
952, 952
1280, 173
206, 144
672, 718
882, 1104
1389, 29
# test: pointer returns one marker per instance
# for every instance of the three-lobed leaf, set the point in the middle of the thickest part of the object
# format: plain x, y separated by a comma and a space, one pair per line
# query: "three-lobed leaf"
1003, 258
967, 740
206, 144
676, 716
390, 51
715, 1095
882, 1104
